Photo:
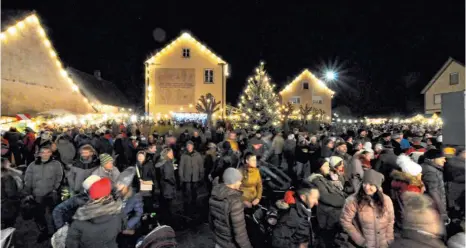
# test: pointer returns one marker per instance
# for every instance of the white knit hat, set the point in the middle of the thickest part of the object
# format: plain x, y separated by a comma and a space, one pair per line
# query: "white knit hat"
334, 160
408, 166
89, 181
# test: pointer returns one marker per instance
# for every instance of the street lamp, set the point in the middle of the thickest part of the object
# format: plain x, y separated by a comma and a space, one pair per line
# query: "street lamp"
330, 75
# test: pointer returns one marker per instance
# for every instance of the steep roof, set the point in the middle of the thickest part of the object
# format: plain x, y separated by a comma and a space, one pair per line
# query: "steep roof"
303, 73
186, 36
13, 21
98, 89
439, 73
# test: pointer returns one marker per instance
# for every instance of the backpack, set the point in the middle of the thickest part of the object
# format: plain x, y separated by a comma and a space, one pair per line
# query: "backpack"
161, 237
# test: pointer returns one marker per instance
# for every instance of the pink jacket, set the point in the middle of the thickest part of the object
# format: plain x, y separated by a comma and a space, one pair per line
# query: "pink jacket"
367, 226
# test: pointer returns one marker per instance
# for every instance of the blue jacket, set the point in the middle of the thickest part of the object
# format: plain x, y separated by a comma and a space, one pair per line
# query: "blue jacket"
63, 213
405, 144
133, 209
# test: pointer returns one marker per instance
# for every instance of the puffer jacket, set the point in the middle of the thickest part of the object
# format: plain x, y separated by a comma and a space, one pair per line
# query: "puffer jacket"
366, 225
191, 167
294, 227
227, 218
331, 202
251, 185
42, 178
432, 176
79, 171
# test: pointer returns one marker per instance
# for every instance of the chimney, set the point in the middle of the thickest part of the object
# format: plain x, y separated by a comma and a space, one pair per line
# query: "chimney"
97, 74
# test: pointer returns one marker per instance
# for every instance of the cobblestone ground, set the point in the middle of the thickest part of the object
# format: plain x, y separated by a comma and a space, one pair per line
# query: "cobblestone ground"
196, 236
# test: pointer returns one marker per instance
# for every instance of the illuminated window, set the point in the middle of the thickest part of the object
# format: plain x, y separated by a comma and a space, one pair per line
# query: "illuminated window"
305, 85
295, 100
317, 101
437, 99
208, 76
186, 53
454, 78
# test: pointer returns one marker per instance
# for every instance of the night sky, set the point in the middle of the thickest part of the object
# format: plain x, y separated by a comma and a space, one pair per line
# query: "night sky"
386, 53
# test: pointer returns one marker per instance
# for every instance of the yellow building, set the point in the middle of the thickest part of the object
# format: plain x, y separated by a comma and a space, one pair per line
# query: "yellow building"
33, 77
178, 74
306, 88
450, 78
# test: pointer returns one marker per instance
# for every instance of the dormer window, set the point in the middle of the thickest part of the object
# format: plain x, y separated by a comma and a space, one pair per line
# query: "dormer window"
186, 53
305, 85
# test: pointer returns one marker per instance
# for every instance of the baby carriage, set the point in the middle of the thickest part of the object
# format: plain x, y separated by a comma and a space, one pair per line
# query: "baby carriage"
161, 237
6, 237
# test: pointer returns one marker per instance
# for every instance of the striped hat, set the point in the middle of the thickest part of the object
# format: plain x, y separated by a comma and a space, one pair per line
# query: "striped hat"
105, 158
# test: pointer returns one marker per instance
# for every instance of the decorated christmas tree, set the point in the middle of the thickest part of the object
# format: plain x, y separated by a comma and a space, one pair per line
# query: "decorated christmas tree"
259, 104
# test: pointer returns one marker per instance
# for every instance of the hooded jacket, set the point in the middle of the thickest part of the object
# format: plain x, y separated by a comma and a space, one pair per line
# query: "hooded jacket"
80, 170
41, 178
331, 202
133, 210
294, 227
366, 225
432, 176
96, 224
191, 167
227, 218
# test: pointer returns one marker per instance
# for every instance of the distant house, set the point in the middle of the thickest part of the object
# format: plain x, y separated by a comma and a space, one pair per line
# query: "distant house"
450, 78
178, 74
33, 77
107, 98
306, 88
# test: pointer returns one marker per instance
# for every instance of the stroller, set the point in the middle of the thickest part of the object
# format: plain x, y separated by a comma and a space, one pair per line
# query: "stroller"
160, 237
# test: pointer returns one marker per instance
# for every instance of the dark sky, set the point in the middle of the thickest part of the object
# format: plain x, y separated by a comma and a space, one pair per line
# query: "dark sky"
386, 52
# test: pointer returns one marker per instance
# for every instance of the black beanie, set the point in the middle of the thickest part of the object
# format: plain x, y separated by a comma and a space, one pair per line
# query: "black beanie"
433, 154
315, 167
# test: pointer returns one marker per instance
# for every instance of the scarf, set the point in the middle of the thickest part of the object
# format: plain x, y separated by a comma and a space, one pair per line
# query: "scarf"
100, 207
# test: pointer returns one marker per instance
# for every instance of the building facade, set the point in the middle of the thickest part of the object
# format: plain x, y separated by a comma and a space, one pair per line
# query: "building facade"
450, 78
33, 78
306, 88
179, 74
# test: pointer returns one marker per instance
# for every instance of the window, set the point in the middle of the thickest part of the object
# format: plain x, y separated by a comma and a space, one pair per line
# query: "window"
295, 100
316, 101
305, 85
437, 99
454, 78
208, 76
186, 53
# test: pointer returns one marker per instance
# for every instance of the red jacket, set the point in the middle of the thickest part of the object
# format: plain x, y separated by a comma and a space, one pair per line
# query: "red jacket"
415, 148
29, 141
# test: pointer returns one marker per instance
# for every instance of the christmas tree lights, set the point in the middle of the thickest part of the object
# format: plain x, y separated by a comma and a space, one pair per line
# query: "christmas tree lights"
259, 104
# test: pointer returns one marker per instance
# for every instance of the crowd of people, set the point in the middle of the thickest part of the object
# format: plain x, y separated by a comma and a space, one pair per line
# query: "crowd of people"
351, 185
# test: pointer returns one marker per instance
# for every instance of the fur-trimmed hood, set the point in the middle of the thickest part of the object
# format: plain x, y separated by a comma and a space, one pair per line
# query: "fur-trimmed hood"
397, 175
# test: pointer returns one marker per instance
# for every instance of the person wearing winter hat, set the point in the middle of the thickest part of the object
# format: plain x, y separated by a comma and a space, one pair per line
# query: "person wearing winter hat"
229, 227
98, 222
132, 201
422, 226
432, 177
63, 213
409, 179
373, 211
332, 199
106, 168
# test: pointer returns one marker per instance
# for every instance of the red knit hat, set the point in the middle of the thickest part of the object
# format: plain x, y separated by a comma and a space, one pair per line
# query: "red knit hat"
100, 189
